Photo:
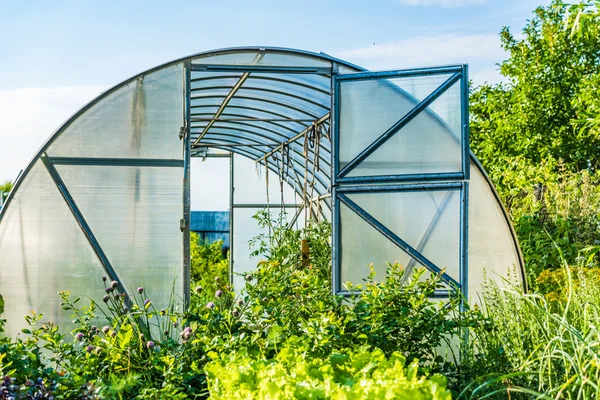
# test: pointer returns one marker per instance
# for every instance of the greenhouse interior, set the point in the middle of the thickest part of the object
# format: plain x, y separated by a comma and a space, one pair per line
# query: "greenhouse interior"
384, 156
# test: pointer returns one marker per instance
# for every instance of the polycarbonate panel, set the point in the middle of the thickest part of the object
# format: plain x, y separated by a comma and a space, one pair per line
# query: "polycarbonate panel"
138, 120
361, 245
245, 228
428, 221
250, 184
254, 57
43, 251
431, 142
134, 214
493, 253
427, 144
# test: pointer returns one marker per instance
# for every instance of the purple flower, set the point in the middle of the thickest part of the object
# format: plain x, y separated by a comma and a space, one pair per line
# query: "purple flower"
89, 349
114, 284
150, 344
218, 293
147, 303
105, 329
79, 336
186, 333
93, 328
106, 298
108, 289
140, 290
210, 305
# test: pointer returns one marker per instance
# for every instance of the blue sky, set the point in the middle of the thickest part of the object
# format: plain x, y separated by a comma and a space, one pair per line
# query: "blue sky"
56, 56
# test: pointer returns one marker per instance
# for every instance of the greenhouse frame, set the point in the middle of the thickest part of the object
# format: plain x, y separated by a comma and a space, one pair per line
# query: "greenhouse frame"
384, 156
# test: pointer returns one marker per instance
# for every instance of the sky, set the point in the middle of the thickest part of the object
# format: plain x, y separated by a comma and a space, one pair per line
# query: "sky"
57, 56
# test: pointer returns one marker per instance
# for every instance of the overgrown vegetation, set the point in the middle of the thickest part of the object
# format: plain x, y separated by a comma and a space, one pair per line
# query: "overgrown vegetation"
537, 134
387, 340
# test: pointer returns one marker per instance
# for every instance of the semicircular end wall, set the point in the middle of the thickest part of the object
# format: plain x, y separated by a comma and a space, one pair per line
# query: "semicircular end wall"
63, 203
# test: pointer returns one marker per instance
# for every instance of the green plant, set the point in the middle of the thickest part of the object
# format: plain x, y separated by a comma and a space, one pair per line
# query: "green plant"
207, 262
294, 374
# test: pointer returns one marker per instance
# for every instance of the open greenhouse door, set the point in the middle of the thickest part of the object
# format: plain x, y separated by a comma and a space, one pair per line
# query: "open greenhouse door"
400, 174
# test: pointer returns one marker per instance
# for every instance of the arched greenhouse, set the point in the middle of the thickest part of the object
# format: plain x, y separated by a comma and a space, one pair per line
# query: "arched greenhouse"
384, 156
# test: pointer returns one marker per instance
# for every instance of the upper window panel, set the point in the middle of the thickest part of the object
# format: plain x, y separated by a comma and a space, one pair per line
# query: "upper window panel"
141, 119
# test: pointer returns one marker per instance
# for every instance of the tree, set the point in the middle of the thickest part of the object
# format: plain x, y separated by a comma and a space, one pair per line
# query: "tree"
547, 109
538, 133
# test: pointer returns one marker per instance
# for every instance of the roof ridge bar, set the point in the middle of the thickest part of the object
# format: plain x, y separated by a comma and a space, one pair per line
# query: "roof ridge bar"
226, 101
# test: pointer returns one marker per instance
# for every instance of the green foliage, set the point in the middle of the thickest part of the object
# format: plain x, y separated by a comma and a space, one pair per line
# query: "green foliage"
207, 262
6, 186
531, 118
544, 345
294, 375
538, 134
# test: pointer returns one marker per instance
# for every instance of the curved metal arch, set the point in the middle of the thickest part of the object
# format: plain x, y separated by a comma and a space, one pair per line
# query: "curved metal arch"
254, 109
258, 99
225, 124
321, 177
259, 89
259, 77
248, 120
295, 146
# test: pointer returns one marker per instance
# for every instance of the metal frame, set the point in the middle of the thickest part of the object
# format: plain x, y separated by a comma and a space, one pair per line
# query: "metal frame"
187, 150
342, 184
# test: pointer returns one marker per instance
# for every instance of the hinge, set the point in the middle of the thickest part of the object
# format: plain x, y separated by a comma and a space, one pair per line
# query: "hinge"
182, 224
181, 133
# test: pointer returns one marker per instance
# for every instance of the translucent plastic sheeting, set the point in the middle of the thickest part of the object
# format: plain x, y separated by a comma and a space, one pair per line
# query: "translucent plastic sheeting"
363, 247
134, 214
428, 221
493, 252
249, 184
43, 251
431, 142
245, 228
253, 57
138, 120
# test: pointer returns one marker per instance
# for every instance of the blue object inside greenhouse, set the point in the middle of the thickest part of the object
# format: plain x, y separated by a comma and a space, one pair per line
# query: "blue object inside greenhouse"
211, 226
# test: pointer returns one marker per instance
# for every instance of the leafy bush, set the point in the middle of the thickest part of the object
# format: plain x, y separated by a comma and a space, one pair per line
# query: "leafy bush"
207, 262
293, 375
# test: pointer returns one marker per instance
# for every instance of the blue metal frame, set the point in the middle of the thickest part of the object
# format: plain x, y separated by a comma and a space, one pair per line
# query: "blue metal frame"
402, 122
343, 185
187, 150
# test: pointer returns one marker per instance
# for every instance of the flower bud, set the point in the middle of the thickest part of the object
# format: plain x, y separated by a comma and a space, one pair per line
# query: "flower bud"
150, 344
140, 290
219, 293
210, 305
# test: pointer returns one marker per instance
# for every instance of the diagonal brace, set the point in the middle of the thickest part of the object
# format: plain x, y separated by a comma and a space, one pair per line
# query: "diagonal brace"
226, 101
62, 188
399, 125
396, 239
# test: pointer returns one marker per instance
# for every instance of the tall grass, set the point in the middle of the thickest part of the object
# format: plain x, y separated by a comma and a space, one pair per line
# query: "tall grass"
539, 346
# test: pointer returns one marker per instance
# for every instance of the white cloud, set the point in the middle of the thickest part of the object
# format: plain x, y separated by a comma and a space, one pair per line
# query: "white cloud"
480, 51
28, 116
443, 3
